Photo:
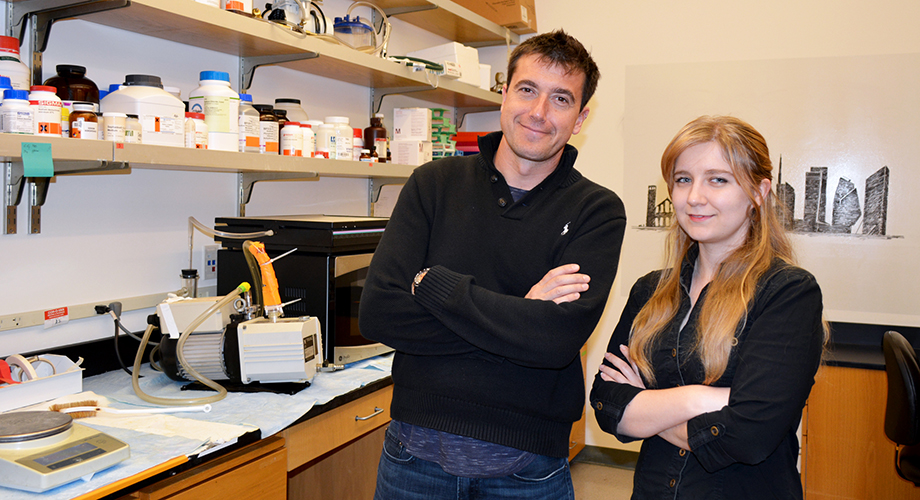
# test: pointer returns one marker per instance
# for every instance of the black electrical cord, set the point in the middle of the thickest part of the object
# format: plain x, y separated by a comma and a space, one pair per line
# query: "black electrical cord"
117, 351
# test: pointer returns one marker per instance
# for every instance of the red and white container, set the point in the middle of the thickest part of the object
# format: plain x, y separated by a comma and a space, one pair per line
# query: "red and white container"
11, 65
46, 110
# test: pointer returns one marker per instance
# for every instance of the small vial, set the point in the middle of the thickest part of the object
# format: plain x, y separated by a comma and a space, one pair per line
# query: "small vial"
368, 156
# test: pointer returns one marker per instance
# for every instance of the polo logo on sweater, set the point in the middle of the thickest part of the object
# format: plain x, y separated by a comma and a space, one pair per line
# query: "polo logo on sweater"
565, 228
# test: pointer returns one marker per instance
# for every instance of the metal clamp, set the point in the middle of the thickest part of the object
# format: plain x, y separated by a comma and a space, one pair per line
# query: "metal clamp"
377, 411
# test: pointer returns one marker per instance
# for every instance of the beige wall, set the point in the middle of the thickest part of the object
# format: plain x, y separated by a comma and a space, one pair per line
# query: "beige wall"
632, 32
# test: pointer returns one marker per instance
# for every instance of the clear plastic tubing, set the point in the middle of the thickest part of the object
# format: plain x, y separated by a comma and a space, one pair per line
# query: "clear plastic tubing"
180, 348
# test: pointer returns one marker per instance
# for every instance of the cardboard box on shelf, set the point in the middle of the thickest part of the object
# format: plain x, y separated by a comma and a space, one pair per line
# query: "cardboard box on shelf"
520, 16
411, 152
465, 57
411, 124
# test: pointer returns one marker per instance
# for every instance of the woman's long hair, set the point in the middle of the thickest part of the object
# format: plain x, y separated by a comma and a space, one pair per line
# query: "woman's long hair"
735, 282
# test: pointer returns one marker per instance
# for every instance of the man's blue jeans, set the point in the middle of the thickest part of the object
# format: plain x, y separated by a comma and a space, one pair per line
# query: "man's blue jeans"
400, 476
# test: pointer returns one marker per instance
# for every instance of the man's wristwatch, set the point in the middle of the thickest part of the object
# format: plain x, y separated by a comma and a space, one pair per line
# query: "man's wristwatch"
418, 279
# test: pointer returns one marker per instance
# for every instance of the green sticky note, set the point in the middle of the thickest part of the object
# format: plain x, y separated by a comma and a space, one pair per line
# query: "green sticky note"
36, 160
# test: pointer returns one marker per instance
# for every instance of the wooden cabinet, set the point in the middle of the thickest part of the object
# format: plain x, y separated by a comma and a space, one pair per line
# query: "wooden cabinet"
335, 454
846, 454
255, 471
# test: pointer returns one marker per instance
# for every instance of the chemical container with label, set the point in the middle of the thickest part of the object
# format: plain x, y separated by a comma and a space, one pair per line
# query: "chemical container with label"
113, 124
343, 136
46, 111
294, 110
196, 131
249, 126
221, 108
133, 130
325, 141
309, 140
161, 114
375, 137
357, 144
84, 124
268, 129
16, 113
291, 139
11, 65
71, 84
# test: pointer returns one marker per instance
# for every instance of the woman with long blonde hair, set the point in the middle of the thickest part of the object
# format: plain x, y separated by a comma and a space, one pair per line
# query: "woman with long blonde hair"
714, 355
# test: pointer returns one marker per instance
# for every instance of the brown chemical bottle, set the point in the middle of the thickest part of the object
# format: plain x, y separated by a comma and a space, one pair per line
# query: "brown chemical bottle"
375, 138
72, 85
281, 115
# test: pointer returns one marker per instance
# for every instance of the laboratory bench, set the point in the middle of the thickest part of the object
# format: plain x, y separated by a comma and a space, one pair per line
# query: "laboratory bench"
319, 444
845, 453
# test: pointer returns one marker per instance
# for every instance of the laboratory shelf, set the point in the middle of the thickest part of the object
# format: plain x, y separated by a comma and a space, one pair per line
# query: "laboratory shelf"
81, 155
258, 42
145, 156
449, 20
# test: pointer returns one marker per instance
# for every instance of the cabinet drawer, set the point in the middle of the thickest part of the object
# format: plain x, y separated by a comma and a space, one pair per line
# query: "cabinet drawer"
319, 435
256, 471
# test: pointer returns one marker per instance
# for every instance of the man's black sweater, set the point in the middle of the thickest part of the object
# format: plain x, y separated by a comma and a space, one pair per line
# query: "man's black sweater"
473, 356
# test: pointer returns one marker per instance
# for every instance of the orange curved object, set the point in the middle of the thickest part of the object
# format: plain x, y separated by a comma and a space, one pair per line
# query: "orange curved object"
270, 294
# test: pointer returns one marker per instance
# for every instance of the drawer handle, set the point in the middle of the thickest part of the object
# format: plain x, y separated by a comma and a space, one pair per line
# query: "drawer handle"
377, 411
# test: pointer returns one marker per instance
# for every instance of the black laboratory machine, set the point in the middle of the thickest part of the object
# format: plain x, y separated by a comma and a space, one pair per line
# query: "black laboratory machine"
322, 276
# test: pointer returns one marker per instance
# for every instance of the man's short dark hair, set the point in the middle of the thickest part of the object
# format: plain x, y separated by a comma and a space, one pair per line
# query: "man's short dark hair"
560, 48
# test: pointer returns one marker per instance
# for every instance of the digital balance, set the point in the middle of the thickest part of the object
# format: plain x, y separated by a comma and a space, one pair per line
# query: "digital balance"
40, 450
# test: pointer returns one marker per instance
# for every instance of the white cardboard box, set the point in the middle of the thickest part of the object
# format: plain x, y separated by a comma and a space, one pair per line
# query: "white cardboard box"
66, 378
465, 57
411, 152
411, 124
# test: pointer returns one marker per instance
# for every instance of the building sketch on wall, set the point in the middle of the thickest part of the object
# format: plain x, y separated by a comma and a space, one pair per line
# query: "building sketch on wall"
657, 215
845, 211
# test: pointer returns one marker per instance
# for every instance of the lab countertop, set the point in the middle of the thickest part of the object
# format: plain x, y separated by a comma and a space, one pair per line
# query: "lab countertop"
159, 439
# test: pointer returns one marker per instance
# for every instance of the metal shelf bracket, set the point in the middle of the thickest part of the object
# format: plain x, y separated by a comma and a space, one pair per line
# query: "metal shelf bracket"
248, 180
248, 65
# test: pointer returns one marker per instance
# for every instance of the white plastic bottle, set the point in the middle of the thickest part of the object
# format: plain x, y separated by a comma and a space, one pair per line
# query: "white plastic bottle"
291, 139
11, 65
309, 140
162, 115
16, 113
249, 126
46, 111
221, 108
343, 138
325, 141
295, 112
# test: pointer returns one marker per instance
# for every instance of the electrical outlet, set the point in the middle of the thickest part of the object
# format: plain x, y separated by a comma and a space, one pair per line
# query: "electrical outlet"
210, 262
